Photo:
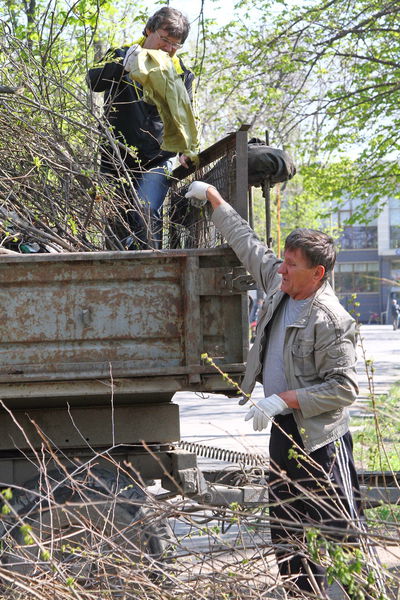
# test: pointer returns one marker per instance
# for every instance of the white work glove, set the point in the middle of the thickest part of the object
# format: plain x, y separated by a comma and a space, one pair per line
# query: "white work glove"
130, 57
197, 193
265, 409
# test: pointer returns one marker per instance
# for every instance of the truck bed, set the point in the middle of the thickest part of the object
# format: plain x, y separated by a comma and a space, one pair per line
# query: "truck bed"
71, 323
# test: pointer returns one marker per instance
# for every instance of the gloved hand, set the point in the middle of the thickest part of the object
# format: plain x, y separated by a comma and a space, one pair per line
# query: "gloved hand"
197, 193
265, 409
130, 57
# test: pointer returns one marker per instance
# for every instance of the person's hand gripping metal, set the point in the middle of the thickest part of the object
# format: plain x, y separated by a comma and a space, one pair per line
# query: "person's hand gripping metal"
197, 193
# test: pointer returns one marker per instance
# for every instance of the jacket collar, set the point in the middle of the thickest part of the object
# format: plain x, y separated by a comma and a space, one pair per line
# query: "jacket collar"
305, 314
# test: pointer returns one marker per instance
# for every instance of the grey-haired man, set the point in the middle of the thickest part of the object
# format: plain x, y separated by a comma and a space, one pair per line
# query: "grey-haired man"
304, 354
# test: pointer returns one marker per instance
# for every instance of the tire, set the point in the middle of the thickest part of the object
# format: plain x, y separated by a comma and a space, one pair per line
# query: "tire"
88, 523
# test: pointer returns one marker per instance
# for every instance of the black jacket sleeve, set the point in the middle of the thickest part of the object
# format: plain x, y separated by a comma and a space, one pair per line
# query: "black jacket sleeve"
188, 78
100, 79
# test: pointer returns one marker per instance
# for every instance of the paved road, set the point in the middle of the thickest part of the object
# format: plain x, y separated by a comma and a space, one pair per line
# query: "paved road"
217, 421
382, 345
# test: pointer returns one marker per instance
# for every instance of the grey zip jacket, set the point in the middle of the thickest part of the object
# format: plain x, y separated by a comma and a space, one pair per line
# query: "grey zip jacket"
320, 347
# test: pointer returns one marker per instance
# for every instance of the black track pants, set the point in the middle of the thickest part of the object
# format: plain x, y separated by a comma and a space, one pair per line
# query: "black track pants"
318, 490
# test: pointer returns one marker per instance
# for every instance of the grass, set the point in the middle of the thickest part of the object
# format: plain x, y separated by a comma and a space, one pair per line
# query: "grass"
377, 438
377, 448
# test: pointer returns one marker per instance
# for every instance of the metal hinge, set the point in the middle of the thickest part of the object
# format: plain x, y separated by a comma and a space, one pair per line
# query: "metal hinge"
236, 280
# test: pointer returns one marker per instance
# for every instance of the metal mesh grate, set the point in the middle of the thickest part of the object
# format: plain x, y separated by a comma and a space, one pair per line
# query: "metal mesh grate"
186, 226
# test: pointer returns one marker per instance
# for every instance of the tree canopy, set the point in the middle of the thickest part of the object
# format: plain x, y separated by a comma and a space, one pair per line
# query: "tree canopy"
322, 77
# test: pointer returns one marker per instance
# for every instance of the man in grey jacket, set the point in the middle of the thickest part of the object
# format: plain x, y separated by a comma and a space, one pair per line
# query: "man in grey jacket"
304, 354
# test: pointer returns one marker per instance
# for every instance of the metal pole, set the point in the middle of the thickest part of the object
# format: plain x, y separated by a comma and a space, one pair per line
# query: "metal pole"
239, 196
267, 197
278, 219
251, 211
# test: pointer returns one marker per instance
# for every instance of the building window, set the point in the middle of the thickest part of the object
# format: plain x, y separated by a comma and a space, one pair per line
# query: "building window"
395, 271
356, 237
394, 222
356, 277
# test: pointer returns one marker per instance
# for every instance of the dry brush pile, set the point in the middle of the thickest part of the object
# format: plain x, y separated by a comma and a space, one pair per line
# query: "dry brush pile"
89, 528
51, 191
49, 187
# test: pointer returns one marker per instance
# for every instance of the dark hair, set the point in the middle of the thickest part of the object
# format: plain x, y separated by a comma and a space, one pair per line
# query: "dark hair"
318, 247
171, 20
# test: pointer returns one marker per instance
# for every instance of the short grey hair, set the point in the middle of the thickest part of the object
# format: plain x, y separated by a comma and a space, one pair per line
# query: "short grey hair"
317, 246
171, 20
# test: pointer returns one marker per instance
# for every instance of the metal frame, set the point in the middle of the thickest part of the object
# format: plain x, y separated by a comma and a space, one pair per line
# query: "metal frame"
235, 143
80, 407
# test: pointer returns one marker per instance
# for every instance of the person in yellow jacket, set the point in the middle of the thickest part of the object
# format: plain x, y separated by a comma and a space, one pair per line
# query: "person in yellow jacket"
147, 105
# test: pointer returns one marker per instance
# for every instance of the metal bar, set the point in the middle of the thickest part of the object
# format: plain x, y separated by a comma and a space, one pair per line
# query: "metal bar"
130, 370
98, 257
96, 426
239, 195
278, 218
192, 317
210, 154
145, 211
251, 208
267, 197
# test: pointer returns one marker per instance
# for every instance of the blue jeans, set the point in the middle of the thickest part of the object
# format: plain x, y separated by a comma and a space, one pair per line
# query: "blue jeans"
152, 187
131, 226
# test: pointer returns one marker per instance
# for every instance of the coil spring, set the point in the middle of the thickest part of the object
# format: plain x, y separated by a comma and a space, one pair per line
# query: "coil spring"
224, 454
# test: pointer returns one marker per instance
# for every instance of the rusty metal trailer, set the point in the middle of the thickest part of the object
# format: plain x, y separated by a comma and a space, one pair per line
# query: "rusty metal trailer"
107, 339
93, 346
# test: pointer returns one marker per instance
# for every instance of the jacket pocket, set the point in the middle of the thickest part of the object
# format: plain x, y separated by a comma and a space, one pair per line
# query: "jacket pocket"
343, 355
303, 359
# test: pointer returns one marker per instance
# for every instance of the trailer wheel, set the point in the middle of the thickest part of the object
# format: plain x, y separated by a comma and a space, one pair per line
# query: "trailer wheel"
84, 524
